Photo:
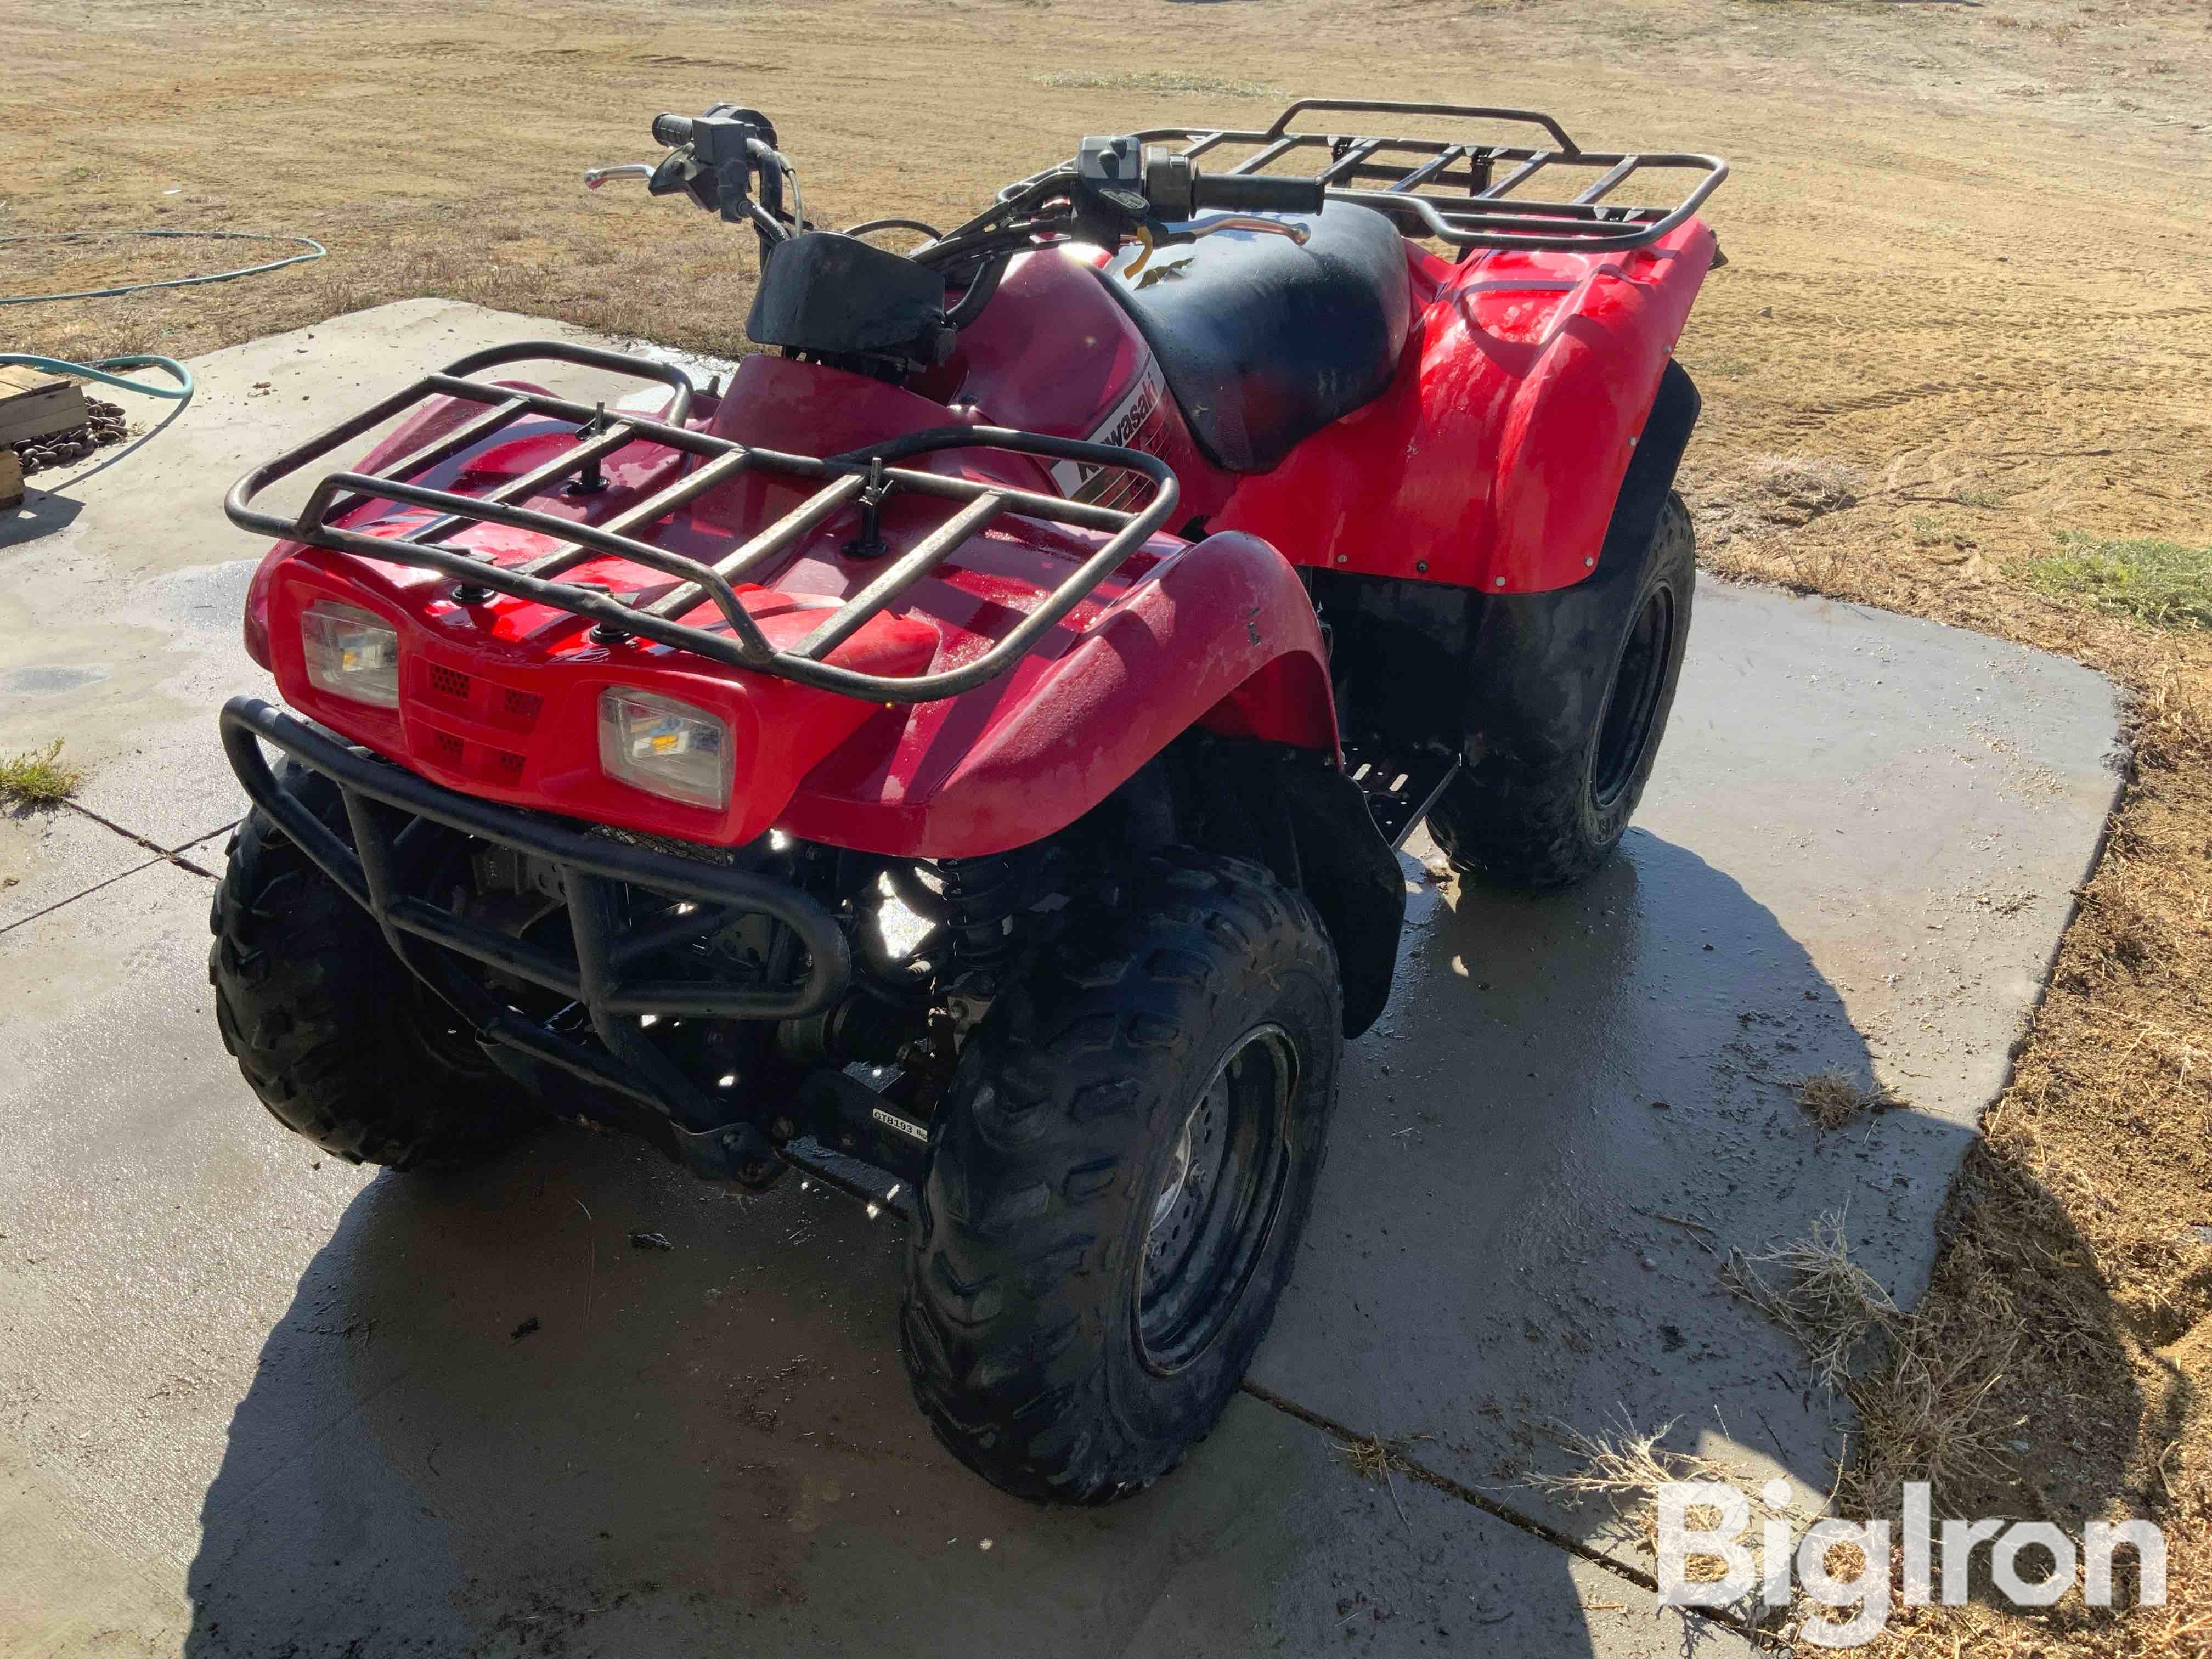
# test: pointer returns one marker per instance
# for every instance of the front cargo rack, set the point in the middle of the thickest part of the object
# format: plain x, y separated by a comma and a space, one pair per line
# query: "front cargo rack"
1462, 192
858, 479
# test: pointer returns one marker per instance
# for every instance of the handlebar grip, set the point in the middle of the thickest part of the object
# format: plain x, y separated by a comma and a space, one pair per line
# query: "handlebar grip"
1253, 192
670, 130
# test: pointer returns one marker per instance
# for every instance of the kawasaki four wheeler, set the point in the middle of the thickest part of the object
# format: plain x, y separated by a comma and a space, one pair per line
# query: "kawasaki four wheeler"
961, 757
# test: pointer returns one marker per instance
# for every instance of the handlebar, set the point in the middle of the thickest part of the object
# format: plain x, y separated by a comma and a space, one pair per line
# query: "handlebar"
1175, 189
1253, 192
1118, 190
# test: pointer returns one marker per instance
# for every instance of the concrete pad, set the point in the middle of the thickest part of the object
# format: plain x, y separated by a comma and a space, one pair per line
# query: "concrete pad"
1858, 853
50, 854
288, 1402
210, 851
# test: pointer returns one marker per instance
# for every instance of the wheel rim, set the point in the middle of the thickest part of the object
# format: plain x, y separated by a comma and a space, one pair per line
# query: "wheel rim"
1214, 1203
1624, 730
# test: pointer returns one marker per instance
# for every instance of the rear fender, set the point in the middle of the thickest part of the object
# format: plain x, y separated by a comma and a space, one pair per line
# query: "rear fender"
1221, 637
1493, 460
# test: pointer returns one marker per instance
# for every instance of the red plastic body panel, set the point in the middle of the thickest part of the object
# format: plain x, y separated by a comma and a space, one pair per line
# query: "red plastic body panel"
1493, 460
501, 700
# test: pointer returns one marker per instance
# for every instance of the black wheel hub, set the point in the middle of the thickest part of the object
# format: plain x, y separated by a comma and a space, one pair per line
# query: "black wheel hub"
1215, 1200
1624, 730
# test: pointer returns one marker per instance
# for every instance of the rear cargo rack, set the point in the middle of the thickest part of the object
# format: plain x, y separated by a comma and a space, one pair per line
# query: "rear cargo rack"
844, 480
1462, 193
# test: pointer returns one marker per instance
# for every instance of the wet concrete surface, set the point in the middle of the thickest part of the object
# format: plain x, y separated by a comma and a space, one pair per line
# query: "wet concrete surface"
252, 1402
1857, 855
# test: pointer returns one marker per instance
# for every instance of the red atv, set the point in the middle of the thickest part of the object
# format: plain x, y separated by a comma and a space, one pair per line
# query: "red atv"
961, 758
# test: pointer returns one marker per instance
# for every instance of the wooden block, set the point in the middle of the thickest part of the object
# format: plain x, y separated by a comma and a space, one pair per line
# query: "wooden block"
11, 477
35, 404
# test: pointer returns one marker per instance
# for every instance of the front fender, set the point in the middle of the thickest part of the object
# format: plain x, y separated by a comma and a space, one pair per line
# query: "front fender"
1221, 635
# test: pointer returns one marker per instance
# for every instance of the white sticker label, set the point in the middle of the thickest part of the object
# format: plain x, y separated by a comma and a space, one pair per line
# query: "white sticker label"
1123, 428
913, 1130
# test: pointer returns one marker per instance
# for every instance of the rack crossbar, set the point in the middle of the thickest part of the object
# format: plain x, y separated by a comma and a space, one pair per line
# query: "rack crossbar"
530, 482
776, 538
909, 567
652, 510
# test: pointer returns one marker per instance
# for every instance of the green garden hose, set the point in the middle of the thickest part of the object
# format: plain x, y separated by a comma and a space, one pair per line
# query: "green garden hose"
315, 251
97, 372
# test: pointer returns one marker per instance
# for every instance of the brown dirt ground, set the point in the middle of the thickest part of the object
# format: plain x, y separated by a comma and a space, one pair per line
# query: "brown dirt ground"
1968, 308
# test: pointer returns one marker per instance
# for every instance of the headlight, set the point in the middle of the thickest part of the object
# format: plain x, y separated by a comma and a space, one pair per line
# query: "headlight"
664, 747
351, 653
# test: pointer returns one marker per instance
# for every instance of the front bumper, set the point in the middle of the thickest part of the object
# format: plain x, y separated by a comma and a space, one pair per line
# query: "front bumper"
598, 975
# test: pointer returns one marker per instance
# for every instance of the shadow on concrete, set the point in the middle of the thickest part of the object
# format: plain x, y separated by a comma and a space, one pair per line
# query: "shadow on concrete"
38, 513
43, 512
488, 1423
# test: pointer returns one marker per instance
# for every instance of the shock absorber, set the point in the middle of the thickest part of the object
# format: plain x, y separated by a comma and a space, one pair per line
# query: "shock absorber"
982, 895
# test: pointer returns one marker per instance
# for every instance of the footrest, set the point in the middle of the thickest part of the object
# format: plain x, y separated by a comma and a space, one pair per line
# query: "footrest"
1402, 785
878, 1189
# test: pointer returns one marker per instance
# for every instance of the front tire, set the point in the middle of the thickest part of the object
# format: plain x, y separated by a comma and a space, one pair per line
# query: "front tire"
1551, 794
1131, 1146
341, 1043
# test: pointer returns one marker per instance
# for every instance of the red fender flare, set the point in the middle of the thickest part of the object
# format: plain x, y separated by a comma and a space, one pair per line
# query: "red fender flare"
1221, 635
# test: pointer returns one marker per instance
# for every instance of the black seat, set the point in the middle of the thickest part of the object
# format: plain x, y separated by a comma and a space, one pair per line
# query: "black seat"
1264, 342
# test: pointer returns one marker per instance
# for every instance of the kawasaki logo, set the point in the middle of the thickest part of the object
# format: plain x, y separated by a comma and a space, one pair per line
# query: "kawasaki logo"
1130, 426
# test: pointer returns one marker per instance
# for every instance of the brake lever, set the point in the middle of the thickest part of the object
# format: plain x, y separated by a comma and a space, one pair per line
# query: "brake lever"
1297, 233
1192, 229
594, 177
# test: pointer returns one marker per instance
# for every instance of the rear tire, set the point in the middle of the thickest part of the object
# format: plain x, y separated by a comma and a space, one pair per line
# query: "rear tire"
1130, 1149
340, 1042
1544, 808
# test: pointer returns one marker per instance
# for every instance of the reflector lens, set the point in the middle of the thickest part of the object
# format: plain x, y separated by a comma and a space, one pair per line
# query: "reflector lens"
351, 653
664, 747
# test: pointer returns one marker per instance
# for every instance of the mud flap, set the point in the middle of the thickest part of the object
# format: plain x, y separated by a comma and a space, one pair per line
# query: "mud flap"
1297, 811
1539, 663
1353, 880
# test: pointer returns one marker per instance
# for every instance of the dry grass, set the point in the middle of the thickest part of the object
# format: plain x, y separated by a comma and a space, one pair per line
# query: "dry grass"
1807, 487
1960, 1400
1835, 1100
1153, 81
1928, 1409
1935, 1410
1813, 1289
1371, 1459
38, 777
1622, 1468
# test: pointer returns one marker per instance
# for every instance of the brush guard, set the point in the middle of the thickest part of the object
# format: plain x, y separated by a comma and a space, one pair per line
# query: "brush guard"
857, 480
1461, 193
599, 977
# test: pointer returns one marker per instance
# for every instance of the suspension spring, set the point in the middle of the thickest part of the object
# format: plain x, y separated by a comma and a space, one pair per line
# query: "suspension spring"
983, 895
